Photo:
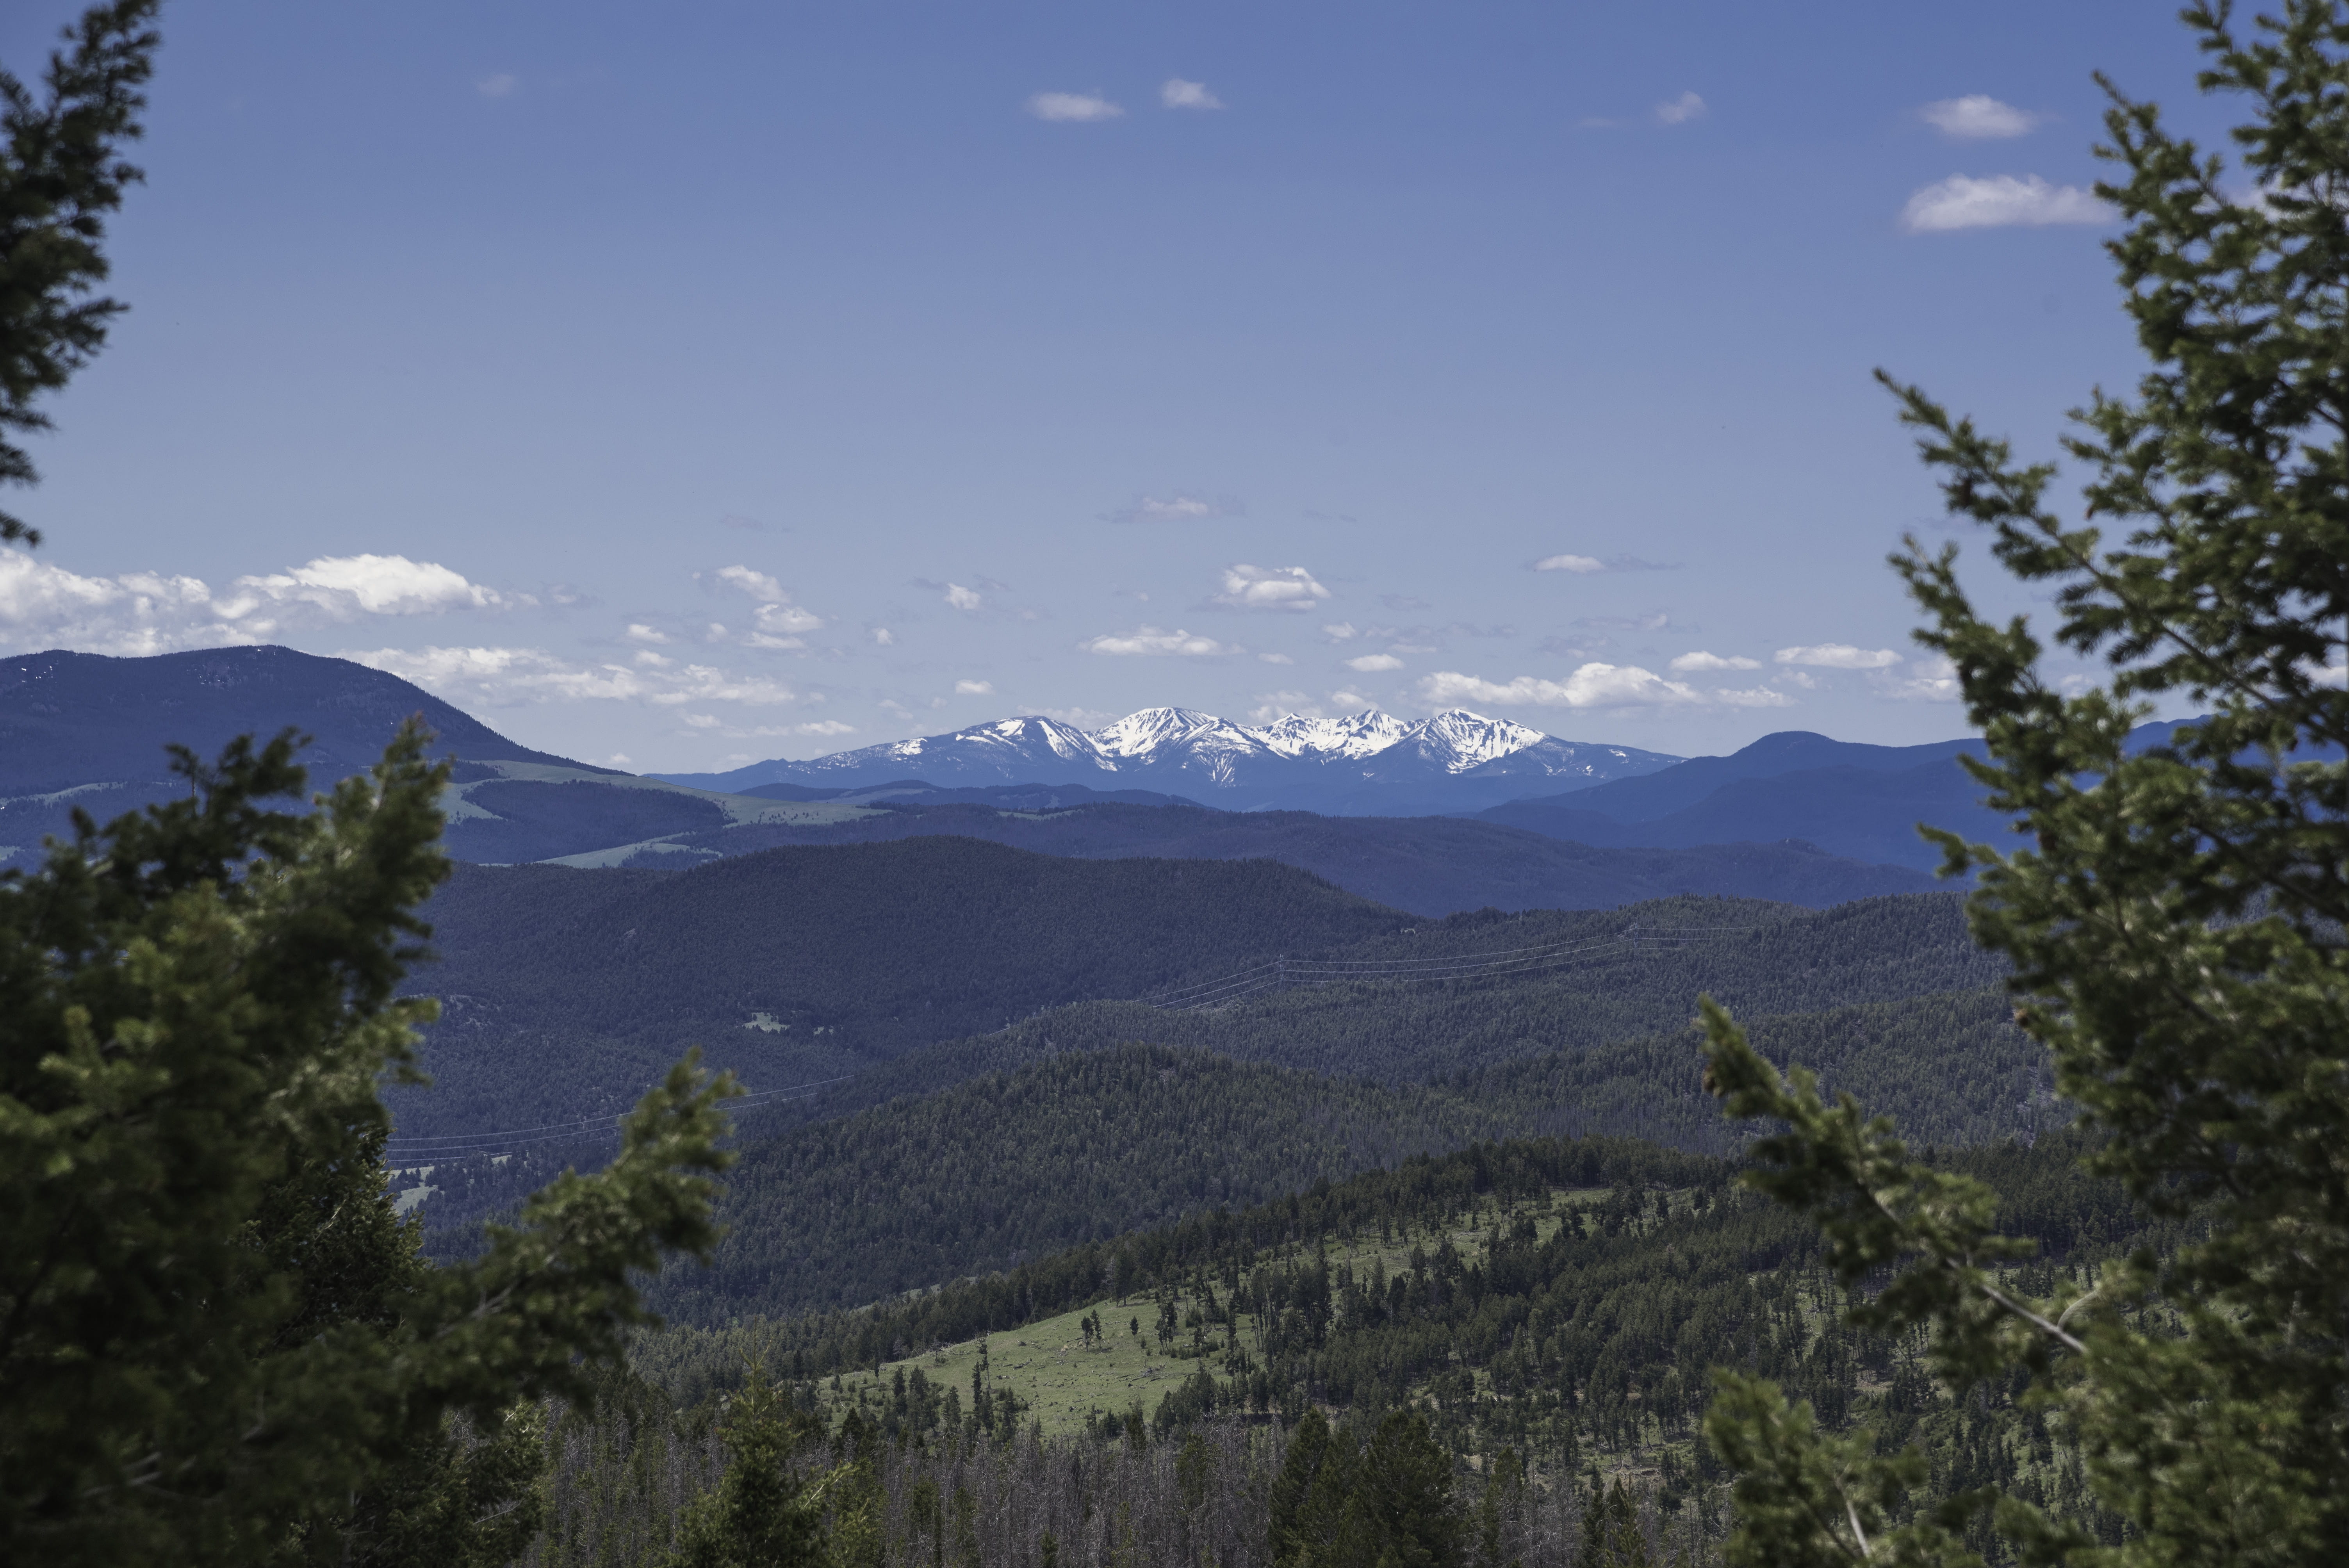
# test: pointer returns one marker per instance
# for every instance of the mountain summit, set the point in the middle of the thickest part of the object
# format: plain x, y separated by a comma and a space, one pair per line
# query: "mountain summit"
1368, 763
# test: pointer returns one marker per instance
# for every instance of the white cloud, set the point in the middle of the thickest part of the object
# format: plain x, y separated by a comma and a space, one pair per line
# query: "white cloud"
1274, 705
42, 605
1998, 201
780, 620
974, 688
348, 586
500, 85
1977, 117
757, 584
1592, 685
1931, 679
1371, 664
1176, 93
1752, 696
1180, 506
1681, 110
638, 631
1589, 564
1348, 700
1250, 587
961, 598
882, 637
1693, 663
504, 678
823, 727
1077, 107
1275, 659
1341, 631
703, 720
1150, 640
1838, 656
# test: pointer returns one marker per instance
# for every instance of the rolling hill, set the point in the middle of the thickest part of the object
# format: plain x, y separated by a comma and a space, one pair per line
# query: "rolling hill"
565, 992
89, 732
1429, 865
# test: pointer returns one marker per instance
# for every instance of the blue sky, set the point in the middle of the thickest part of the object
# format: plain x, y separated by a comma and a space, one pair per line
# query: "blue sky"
693, 384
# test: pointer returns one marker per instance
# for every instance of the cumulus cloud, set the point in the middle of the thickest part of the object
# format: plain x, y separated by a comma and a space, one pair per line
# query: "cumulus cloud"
1681, 110
44, 605
826, 726
1592, 685
1977, 117
1150, 640
962, 598
1752, 696
882, 637
1698, 661
1274, 705
1838, 656
1250, 587
500, 84
506, 677
1999, 201
1931, 679
1275, 659
779, 621
1569, 563
1176, 93
1180, 506
974, 688
1371, 664
1340, 632
1077, 107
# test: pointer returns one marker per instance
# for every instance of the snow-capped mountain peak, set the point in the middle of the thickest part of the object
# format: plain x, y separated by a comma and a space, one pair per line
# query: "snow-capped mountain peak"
1354, 762
1153, 729
1365, 734
1463, 740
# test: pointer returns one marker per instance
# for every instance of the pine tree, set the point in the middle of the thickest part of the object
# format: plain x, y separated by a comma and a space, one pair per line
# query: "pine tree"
2176, 918
61, 171
217, 1343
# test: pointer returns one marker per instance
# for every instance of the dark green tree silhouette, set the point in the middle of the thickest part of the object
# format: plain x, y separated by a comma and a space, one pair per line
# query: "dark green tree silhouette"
764, 1513
61, 171
2175, 919
215, 1342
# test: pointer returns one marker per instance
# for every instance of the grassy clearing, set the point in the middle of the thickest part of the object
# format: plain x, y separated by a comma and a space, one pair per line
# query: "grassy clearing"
1062, 1381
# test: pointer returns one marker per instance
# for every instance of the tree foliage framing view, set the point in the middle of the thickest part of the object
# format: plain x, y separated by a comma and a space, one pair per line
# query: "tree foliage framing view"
218, 1343
2175, 923
61, 171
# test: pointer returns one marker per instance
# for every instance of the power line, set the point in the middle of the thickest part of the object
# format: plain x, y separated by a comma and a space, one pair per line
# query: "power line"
458, 1145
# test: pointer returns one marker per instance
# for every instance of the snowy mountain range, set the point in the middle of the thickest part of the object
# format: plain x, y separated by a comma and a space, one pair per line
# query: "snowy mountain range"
1364, 764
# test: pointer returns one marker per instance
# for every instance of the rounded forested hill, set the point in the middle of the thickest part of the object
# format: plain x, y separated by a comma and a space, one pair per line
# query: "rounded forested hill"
70, 720
565, 990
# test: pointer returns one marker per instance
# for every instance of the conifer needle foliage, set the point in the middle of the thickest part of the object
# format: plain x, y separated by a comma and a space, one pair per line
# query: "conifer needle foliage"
217, 1343
2176, 918
61, 171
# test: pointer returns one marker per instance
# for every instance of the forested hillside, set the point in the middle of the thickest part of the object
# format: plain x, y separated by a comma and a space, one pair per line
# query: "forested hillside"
563, 990
1086, 1147
1547, 1304
1075, 1148
1599, 1042
1074, 1145
1591, 978
566, 991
